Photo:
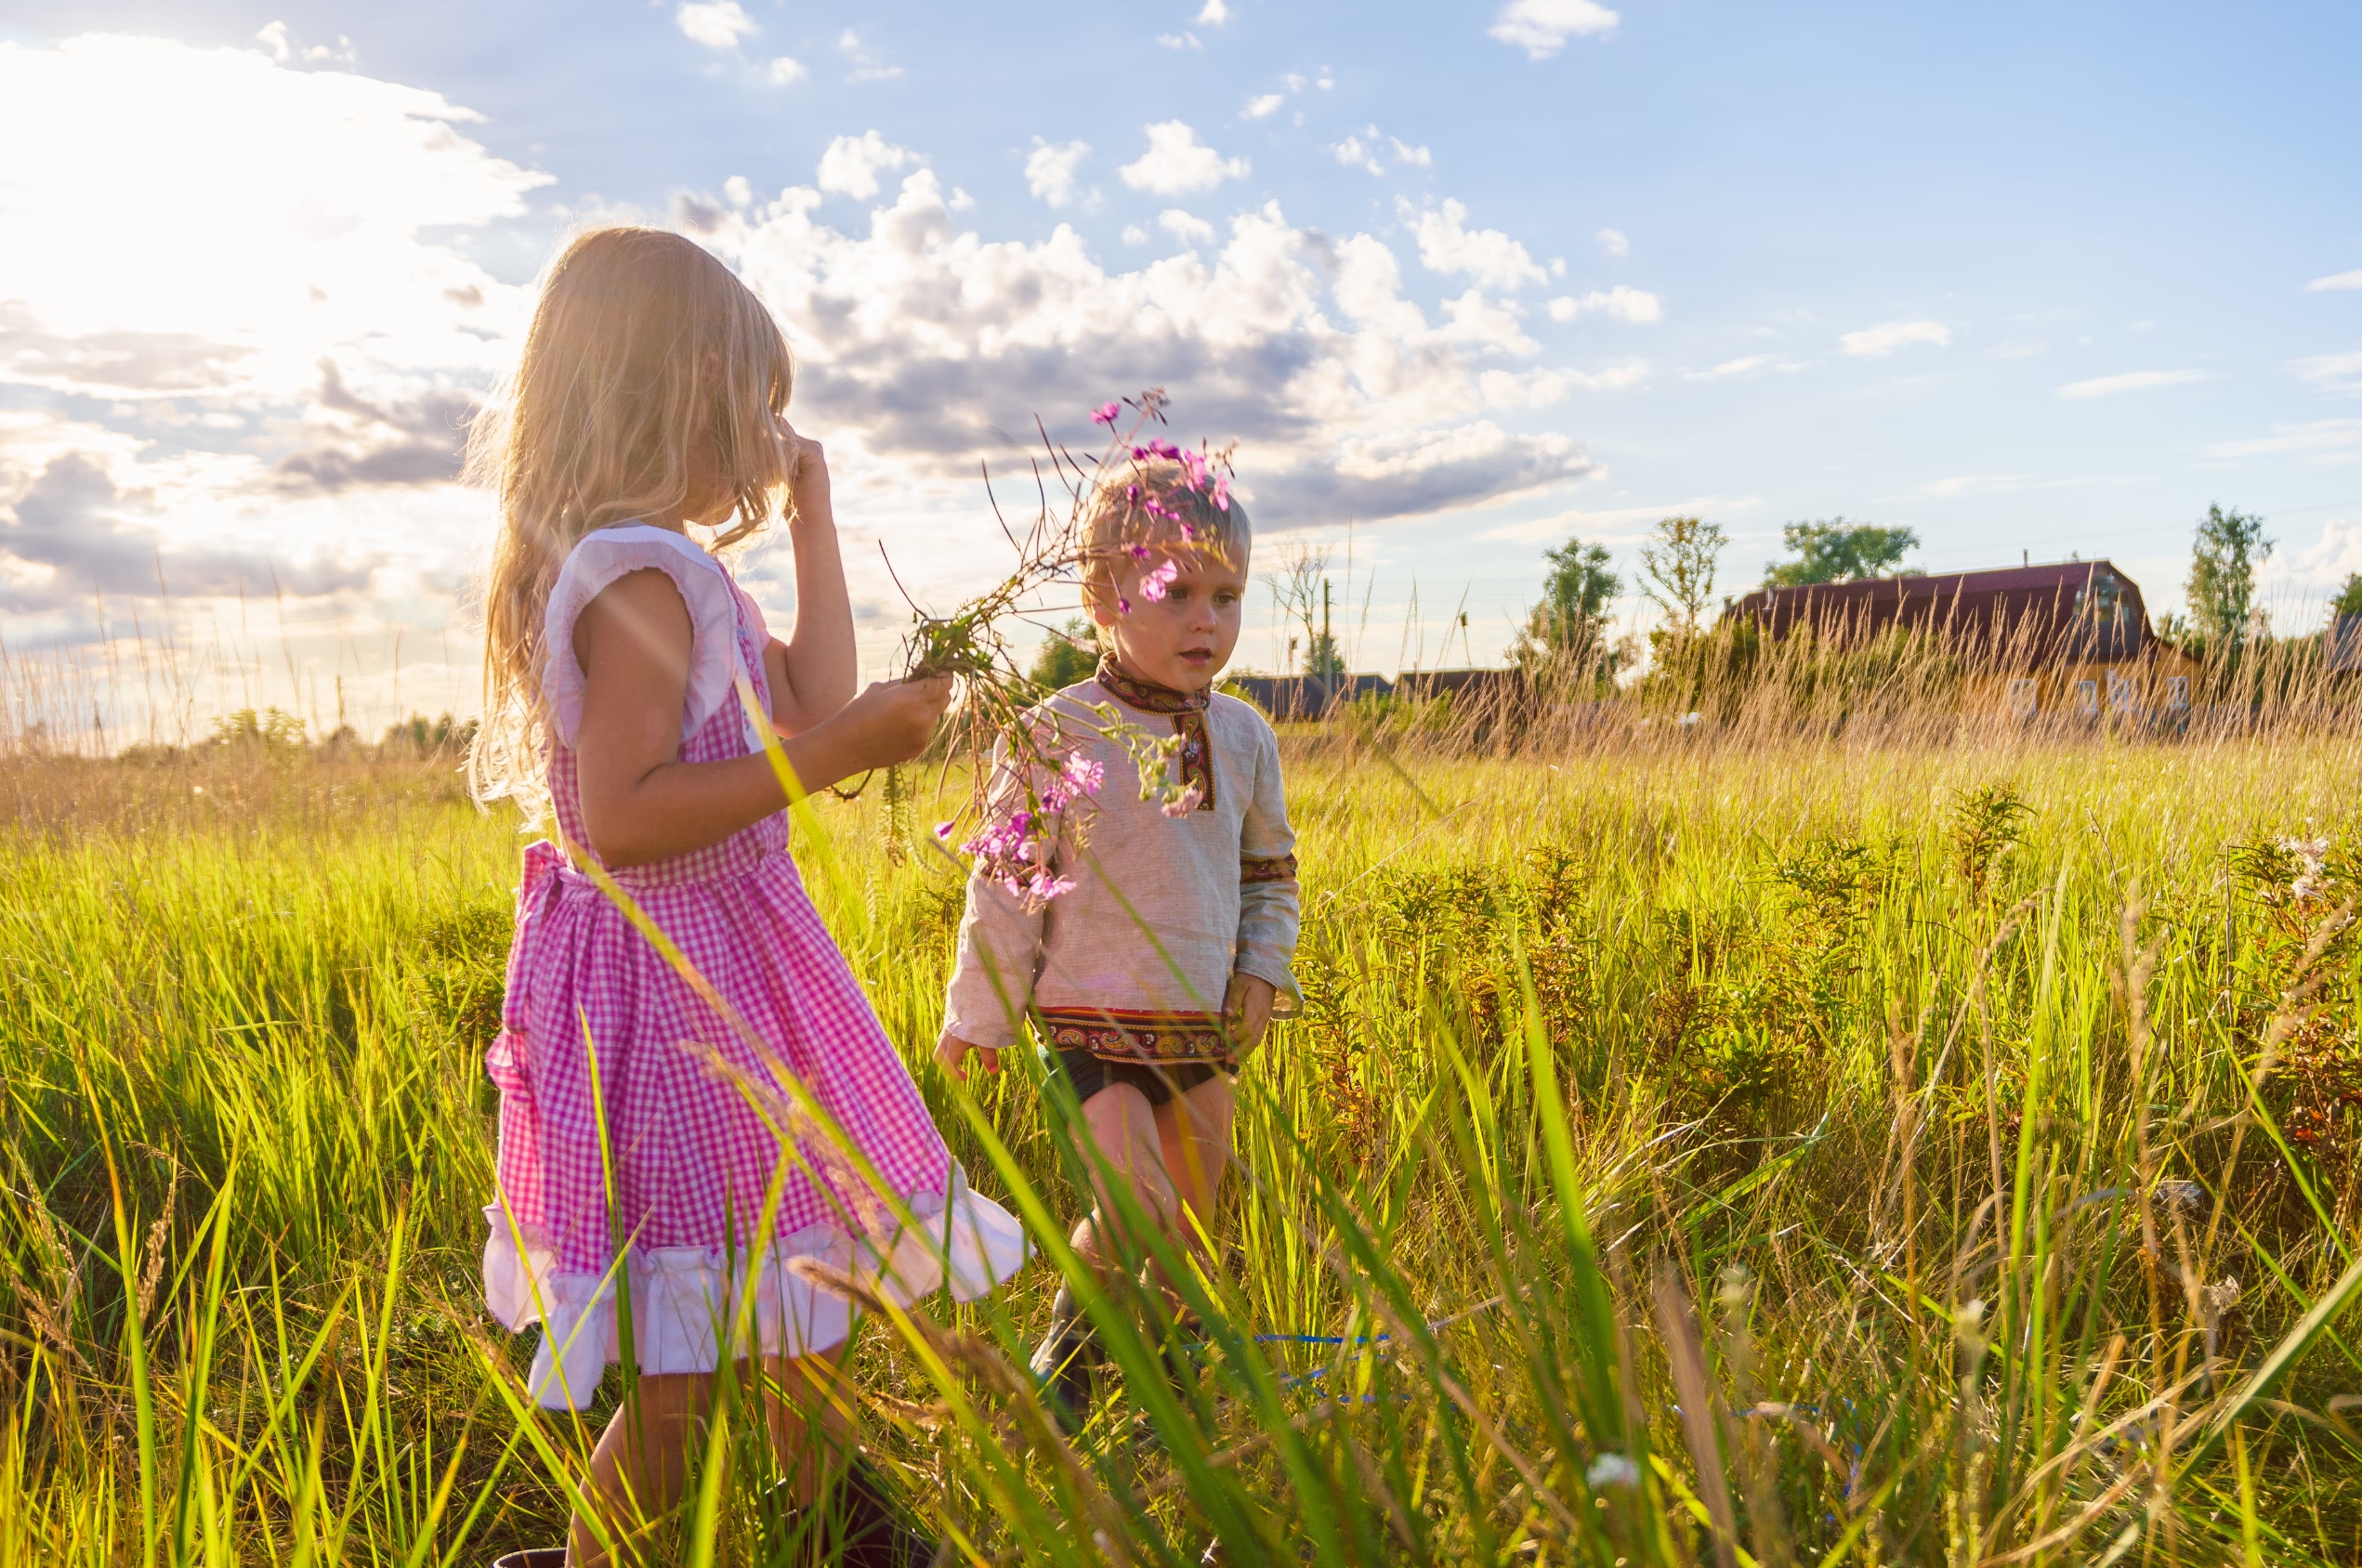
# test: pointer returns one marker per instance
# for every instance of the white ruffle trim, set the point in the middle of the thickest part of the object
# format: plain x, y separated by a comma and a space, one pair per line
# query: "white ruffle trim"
598, 560
685, 1299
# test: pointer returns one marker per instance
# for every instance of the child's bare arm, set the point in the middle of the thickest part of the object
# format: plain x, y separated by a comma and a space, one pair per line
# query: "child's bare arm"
815, 672
640, 802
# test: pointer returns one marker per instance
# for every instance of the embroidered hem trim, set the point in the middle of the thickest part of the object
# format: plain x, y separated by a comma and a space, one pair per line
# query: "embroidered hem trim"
1256, 869
1115, 1033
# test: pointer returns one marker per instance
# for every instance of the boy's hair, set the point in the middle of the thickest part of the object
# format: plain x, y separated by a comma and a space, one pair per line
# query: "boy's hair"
1151, 502
642, 344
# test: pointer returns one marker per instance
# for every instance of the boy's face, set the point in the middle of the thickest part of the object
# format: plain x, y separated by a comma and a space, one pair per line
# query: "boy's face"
1184, 638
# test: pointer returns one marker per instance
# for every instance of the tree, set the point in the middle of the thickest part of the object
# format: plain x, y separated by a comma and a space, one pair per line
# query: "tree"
2349, 599
2221, 589
1837, 551
1566, 632
1067, 655
1677, 571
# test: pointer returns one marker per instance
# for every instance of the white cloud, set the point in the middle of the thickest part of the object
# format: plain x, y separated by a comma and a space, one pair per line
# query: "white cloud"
1351, 400
867, 65
1613, 241
2340, 371
1214, 14
1178, 41
242, 360
1263, 108
1616, 524
1542, 27
1177, 163
718, 25
1490, 256
737, 192
1050, 169
1879, 341
2131, 381
2335, 281
1958, 485
784, 70
1367, 148
1745, 365
1186, 227
1354, 153
1622, 302
1135, 235
2331, 440
852, 165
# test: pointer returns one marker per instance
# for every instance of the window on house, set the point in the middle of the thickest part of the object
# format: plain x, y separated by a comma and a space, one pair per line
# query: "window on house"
2021, 701
2087, 698
2177, 691
2123, 692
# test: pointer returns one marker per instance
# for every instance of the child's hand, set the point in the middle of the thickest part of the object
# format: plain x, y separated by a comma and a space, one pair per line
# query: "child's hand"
951, 1054
807, 486
1246, 1012
893, 721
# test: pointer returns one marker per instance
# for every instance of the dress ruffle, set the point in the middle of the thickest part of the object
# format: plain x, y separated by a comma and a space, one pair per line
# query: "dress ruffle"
686, 1299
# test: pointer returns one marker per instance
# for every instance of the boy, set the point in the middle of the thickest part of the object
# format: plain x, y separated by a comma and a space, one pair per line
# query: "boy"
1153, 978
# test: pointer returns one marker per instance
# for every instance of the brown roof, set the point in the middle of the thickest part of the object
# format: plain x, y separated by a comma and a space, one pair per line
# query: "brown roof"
2062, 609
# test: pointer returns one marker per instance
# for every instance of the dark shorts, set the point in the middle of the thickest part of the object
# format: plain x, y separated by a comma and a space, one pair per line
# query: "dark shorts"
1087, 1074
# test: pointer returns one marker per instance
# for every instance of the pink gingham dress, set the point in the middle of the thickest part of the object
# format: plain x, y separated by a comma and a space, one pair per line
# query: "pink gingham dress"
597, 1027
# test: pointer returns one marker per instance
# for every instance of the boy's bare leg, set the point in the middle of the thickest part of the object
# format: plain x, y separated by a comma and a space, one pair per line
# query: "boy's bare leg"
1193, 1134
641, 1463
1125, 1132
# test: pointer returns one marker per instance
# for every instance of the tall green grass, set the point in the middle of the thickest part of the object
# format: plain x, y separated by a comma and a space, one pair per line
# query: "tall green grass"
1692, 1152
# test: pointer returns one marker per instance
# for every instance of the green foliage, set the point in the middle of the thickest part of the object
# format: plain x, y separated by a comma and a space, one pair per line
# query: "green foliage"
1988, 820
422, 737
1677, 571
2221, 588
1564, 636
1630, 1079
1837, 551
272, 731
1068, 655
2348, 600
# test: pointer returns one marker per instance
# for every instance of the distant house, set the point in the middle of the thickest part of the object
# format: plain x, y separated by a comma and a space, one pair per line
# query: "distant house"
1469, 689
2342, 652
1306, 697
2066, 636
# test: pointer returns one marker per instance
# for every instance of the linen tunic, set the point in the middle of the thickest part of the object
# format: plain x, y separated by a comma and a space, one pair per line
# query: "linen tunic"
1134, 959
698, 1104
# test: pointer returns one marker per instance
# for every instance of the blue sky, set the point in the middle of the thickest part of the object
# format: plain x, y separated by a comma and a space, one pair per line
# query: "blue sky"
1461, 280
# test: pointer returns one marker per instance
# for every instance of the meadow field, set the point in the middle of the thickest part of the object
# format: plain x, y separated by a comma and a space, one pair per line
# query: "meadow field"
1702, 1145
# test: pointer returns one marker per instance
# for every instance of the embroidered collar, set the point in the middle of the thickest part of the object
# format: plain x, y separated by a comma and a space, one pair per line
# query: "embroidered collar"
1187, 710
1146, 696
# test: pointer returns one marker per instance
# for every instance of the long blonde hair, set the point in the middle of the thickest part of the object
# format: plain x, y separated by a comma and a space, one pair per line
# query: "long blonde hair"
642, 344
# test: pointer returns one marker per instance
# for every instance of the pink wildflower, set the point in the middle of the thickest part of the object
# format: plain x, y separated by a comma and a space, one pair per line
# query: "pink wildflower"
1085, 774
1152, 584
1221, 496
1183, 804
1139, 552
1123, 605
1045, 886
943, 830
1106, 414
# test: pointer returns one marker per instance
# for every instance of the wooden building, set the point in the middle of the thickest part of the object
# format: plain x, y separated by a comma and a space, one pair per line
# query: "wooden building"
2063, 637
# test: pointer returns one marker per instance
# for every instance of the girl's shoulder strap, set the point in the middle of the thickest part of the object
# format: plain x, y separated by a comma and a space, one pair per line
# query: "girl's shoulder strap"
597, 560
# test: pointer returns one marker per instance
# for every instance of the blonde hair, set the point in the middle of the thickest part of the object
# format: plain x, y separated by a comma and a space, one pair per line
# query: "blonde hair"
1151, 502
642, 344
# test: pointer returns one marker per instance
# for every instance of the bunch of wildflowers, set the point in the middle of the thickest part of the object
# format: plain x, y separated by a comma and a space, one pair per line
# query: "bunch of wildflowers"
1030, 786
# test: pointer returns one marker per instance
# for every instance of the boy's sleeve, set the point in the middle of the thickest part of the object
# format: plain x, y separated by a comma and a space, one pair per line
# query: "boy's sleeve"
1268, 907
999, 950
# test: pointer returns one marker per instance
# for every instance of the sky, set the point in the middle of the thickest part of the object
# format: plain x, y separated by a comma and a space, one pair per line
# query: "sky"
1461, 281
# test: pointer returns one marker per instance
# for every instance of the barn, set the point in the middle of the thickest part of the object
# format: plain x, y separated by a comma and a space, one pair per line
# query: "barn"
2060, 637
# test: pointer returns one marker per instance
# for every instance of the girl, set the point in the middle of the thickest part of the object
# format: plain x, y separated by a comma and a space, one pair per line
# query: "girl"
1153, 977
647, 1124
